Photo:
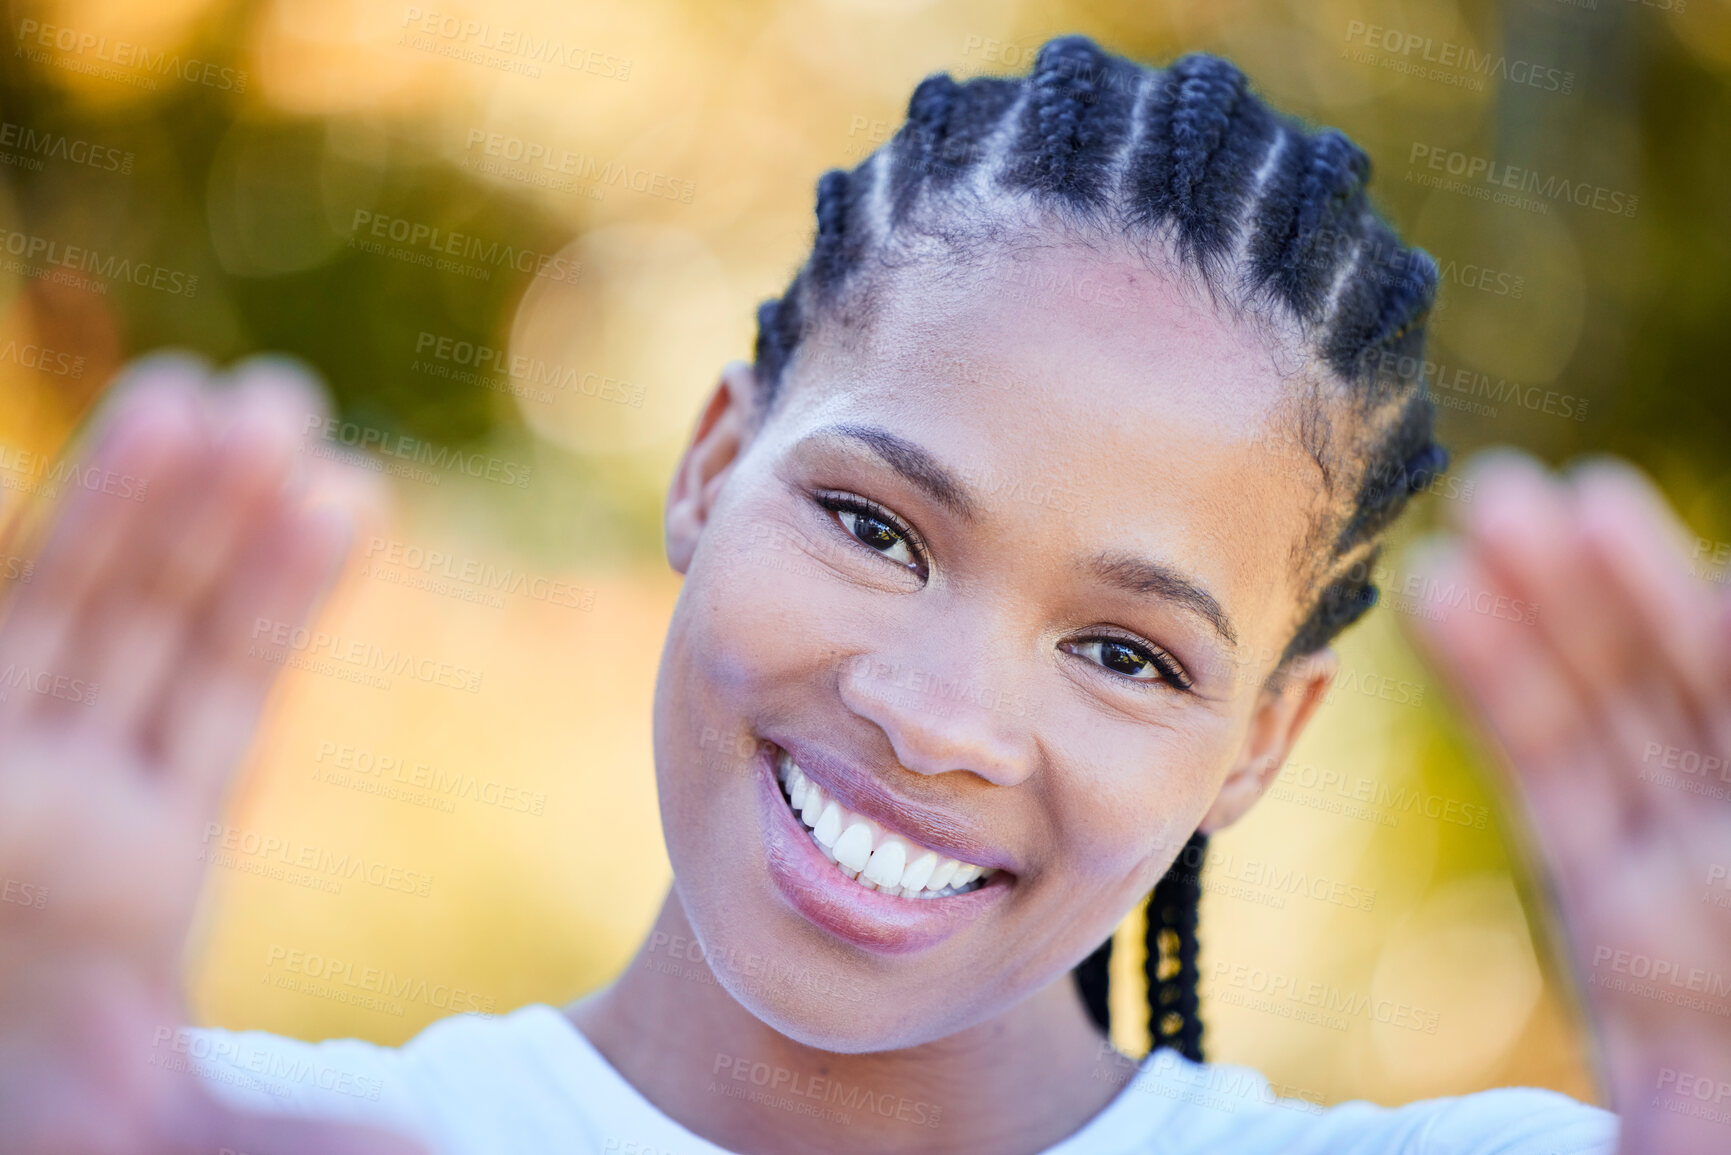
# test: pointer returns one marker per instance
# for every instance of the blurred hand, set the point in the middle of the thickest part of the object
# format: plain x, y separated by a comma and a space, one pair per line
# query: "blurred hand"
1611, 701
127, 698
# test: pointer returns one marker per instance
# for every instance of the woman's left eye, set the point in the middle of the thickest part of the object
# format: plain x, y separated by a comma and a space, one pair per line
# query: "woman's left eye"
1129, 660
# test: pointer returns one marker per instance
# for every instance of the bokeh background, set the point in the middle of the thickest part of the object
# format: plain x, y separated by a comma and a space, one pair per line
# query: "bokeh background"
535, 230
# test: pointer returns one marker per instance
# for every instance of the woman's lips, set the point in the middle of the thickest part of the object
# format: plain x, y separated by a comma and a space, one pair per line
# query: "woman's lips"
936, 828
817, 888
888, 861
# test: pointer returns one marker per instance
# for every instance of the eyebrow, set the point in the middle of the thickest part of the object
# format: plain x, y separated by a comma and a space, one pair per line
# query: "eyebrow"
1143, 577
915, 464
1135, 575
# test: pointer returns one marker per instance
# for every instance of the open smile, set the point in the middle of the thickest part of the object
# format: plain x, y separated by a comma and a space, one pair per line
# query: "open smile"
868, 854
870, 881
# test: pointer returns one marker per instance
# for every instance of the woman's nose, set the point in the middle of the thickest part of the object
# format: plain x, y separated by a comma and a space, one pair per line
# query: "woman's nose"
941, 715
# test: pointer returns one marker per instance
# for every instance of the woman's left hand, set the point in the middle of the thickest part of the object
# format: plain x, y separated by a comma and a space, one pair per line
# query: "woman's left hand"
1570, 614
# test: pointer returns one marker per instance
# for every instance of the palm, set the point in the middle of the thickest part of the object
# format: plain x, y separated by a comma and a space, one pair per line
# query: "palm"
1611, 701
128, 699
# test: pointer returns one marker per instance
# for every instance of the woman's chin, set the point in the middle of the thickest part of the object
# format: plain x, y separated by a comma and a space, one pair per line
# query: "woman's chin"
776, 967
859, 1019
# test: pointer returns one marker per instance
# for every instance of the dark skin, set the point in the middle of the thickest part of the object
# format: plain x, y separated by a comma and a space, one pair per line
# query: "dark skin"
1082, 770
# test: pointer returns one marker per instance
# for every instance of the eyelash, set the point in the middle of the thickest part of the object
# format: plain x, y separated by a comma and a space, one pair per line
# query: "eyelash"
837, 502
1171, 674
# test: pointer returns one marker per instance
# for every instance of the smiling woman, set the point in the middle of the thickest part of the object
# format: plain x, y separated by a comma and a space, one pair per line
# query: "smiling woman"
920, 744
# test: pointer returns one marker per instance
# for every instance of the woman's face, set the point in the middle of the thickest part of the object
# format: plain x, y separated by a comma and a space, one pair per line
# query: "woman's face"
1003, 575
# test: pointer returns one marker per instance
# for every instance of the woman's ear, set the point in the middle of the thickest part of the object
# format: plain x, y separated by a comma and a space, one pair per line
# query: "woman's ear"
1282, 712
722, 432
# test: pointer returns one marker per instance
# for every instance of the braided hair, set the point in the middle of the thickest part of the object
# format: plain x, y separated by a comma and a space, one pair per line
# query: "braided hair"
1270, 217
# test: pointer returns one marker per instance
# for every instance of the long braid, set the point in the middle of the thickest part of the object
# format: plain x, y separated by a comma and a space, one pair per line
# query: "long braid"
1174, 1018
1169, 962
1271, 216
1093, 983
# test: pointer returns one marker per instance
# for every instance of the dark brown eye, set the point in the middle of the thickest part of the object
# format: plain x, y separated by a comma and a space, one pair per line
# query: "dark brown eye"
872, 531
1119, 657
876, 529
1128, 660
1122, 659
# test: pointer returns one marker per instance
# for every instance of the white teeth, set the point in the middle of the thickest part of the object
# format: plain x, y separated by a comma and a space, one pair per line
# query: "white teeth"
854, 848
828, 827
885, 867
812, 805
941, 876
918, 872
864, 852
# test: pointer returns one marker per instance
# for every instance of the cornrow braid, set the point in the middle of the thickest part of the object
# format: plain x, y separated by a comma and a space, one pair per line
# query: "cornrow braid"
1078, 110
1271, 216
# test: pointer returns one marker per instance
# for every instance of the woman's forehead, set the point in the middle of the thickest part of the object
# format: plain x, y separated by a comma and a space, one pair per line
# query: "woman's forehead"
1160, 434
1063, 353
1016, 325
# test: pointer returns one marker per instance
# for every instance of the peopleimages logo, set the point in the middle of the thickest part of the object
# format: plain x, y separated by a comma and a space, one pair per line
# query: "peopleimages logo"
56, 256
509, 49
417, 451
377, 980
44, 476
223, 843
363, 656
1454, 60
32, 33
579, 165
1485, 179
817, 1088
483, 575
1328, 999
48, 684
34, 146
1444, 379
466, 246
531, 371
42, 359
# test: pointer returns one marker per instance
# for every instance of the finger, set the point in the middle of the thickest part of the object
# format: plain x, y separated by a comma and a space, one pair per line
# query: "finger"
1511, 683
1524, 529
132, 389
1521, 525
315, 480
1633, 537
139, 634
296, 382
208, 716
150, 438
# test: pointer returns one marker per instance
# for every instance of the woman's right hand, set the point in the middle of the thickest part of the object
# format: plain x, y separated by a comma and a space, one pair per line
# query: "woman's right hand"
130, 687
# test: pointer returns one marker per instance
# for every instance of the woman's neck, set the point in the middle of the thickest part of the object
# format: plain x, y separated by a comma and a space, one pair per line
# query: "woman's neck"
1013, 1085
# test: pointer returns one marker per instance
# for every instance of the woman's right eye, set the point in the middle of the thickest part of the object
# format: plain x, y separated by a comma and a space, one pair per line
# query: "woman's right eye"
876, 530
877, 534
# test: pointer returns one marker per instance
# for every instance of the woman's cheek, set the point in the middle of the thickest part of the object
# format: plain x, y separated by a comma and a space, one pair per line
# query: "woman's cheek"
1146, 789
761, 609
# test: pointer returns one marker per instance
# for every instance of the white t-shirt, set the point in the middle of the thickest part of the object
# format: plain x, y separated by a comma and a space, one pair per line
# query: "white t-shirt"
530, 1082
